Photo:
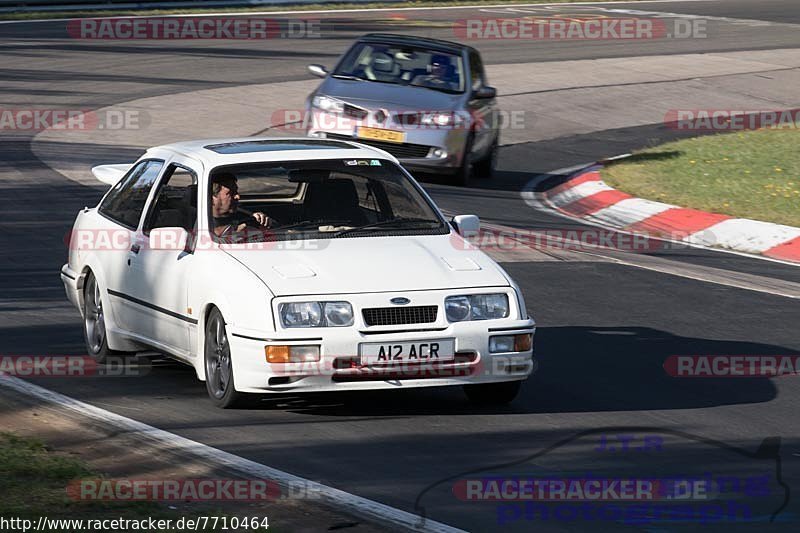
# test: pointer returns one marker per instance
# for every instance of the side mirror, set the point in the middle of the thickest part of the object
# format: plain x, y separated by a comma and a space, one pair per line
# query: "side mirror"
318, 70
467, 225
169, 239
485, 93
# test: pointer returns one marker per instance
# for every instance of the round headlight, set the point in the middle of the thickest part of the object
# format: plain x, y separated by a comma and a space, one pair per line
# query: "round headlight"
301, 314
489, 306
339, 313
457, 308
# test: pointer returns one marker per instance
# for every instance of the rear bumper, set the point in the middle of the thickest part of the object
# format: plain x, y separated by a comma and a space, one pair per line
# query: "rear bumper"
73, 284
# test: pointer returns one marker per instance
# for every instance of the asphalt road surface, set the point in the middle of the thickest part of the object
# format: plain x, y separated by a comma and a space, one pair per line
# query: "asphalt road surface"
605, 326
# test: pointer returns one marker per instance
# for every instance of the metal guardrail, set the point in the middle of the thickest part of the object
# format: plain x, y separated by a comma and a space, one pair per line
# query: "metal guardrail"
10, 6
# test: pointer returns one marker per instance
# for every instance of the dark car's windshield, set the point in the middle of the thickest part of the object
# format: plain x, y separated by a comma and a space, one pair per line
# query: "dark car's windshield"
403, 65
317, 199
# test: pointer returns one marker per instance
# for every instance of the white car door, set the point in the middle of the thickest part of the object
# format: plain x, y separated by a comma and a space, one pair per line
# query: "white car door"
121, 210
158, 278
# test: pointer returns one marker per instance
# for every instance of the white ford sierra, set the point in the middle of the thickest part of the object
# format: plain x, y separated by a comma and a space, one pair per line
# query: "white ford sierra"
330, 270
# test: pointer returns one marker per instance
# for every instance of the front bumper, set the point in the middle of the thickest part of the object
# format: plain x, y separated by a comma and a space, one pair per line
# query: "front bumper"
424, 148
340, 369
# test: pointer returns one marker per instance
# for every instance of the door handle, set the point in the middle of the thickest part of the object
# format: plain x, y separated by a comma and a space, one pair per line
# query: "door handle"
135, 248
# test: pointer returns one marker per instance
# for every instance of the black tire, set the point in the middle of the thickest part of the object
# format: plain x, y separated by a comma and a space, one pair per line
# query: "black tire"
484, 168
493, 393
94, 323
464, 172
219, 365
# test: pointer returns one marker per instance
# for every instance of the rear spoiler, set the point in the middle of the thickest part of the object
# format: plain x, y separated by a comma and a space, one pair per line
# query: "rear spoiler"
111, 174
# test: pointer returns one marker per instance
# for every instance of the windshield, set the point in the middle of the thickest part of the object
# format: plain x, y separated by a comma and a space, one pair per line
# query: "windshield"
402, 65
317, 199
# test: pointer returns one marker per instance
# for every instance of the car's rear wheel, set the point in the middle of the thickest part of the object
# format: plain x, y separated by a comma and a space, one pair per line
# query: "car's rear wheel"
94, 321
219, 365
493, 393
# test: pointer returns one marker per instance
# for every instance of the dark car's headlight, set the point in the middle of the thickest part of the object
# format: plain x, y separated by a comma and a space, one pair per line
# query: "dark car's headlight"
476, 307
316, 314
445, 119
327, 104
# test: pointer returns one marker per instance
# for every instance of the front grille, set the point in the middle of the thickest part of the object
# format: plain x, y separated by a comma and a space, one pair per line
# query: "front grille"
393, 316
399, 150
406, 119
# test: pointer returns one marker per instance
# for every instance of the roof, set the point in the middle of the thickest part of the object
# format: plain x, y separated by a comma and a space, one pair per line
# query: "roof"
216, 152
413, 40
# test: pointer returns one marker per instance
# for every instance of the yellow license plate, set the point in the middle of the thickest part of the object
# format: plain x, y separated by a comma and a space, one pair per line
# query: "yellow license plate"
377, 134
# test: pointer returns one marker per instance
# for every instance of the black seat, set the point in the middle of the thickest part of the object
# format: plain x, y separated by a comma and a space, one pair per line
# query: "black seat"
169, 218
189, 205
334, 200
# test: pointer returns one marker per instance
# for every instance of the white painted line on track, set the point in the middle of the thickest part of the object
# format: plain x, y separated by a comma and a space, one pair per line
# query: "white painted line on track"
338, 499
355, 10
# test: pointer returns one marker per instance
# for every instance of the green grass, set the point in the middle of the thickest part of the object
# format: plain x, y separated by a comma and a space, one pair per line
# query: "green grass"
753, 174
283, 7
33, 483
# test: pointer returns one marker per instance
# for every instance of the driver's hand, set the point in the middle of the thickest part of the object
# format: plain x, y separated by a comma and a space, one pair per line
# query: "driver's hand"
261, 218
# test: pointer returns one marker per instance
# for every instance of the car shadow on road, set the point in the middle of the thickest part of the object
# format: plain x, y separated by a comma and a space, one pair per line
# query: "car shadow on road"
582, 369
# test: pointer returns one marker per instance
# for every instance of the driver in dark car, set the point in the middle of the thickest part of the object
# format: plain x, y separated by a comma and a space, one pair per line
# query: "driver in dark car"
440, 75
224, 207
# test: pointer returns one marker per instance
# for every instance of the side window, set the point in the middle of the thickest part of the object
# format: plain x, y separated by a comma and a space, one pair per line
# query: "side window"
476, 69
176, 202
124, 203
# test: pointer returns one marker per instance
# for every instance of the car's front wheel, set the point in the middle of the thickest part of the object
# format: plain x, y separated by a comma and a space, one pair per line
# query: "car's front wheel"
464, 171
493, 393
485, 167
219, 365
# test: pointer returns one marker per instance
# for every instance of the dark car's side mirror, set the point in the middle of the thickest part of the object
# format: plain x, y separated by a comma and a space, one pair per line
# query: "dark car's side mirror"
318, 70
485, 93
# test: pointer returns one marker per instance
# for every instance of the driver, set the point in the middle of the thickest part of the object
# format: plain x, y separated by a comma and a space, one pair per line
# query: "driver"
439, 73
224, 204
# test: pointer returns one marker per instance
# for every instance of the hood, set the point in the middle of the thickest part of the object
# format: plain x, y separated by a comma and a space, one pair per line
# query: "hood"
374, 95
370, 264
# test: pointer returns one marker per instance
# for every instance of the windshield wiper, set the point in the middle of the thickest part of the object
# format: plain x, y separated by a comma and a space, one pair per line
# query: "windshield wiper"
312, 223
437, 89
400, 221
296, 225
347, 77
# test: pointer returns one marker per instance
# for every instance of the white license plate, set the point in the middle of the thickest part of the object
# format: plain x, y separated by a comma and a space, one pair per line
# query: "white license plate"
397, 353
